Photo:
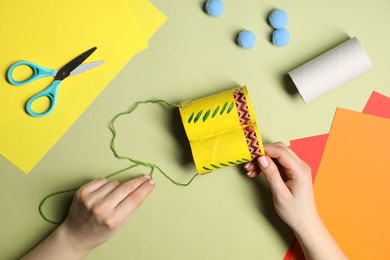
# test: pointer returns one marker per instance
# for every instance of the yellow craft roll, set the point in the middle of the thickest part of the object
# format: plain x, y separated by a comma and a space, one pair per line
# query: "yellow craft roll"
221, 129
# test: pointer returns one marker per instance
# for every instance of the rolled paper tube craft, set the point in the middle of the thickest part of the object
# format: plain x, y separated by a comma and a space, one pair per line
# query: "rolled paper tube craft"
331, 70
221, 129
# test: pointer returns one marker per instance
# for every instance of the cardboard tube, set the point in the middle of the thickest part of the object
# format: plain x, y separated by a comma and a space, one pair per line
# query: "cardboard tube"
331, 70
222, 130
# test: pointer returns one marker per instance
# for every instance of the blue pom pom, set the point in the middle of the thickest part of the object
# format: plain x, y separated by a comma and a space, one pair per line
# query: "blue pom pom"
246, 39
280, 37
214, 7
278, 18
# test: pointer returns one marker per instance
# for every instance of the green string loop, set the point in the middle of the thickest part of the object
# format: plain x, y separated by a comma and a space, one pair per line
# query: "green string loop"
134, 163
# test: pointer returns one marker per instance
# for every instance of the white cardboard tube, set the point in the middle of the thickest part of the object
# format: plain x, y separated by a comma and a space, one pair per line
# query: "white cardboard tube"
331, 69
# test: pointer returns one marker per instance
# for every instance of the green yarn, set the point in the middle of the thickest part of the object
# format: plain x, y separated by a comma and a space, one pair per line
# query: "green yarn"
152, 166
134, 163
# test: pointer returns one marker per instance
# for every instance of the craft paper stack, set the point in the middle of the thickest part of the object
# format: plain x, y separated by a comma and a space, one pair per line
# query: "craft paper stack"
51, 33
352, 178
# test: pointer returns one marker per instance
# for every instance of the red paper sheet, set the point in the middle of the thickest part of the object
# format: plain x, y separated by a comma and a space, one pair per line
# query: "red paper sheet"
378, 105
310, 149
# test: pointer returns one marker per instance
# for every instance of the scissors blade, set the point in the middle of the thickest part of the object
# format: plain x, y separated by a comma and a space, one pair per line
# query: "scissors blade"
86, 66
73, 64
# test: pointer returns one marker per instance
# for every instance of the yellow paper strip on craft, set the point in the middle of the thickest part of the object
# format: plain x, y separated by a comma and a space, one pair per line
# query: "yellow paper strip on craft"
149, 18
222, 130
63, 30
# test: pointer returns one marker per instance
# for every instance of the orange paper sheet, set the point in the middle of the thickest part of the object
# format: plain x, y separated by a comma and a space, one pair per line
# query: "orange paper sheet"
352, 185
310, 149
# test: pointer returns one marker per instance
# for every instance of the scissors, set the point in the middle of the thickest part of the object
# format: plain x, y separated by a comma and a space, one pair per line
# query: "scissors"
72, 68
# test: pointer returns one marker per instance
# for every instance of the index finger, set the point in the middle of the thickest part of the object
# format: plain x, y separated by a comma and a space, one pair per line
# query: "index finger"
115, 197
126, 208
284, 155
135, 199
288, 149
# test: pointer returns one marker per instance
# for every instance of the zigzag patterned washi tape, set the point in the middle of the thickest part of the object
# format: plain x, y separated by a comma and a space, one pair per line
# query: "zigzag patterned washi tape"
245, 121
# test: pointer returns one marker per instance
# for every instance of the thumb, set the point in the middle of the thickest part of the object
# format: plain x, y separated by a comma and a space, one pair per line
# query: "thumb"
272, 174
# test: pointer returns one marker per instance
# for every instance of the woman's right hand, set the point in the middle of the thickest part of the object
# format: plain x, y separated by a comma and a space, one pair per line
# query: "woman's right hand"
292, 188
291, 183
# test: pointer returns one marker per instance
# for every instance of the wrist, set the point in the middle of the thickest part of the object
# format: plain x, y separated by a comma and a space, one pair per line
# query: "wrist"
308, 225
75, 247
316, 241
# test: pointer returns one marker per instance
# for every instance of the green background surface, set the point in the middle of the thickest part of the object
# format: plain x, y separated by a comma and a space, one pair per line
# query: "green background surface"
221, 215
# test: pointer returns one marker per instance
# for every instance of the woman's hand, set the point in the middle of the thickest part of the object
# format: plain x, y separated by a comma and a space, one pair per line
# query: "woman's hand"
291, 184
101, 207
98, 210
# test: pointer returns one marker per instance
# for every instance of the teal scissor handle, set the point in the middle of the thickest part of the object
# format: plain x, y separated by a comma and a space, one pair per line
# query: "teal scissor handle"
51, 93
38, 72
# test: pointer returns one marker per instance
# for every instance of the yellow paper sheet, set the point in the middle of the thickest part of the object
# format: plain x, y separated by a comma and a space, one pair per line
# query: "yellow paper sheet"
147, 15
51, 33
352, 184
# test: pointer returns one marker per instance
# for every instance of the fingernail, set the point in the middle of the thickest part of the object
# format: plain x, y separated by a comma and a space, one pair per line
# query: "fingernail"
246, 166
152, 182
147, 177
249, 174
263, 161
